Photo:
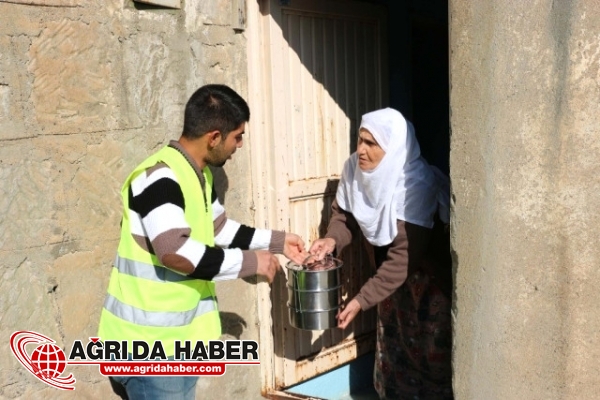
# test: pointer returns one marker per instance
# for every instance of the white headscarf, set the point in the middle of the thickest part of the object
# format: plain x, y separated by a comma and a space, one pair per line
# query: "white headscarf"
402, 187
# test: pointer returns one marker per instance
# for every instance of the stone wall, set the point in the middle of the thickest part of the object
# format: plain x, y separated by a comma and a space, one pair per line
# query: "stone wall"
525, 115
87, 90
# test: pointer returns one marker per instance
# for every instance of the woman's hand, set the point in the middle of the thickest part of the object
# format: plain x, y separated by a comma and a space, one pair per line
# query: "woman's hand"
346, 316
293, 248
321, 247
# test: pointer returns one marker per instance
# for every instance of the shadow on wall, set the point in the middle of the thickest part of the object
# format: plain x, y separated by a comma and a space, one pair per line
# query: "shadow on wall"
232, 324
221, 183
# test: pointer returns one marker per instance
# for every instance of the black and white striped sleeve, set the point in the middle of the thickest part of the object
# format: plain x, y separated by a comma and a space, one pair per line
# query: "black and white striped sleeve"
158, 222
231, 234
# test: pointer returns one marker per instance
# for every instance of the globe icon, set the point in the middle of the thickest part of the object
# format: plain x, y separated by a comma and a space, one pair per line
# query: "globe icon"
48, 360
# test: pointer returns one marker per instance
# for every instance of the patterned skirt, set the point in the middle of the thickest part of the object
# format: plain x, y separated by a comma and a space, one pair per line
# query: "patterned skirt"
414, 342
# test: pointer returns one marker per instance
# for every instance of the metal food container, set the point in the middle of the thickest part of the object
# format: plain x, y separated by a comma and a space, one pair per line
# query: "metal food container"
314, 293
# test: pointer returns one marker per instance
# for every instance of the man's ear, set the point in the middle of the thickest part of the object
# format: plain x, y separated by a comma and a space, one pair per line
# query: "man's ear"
214, 138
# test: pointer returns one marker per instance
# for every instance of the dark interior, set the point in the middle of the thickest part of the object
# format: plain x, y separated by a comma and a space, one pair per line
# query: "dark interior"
419, 72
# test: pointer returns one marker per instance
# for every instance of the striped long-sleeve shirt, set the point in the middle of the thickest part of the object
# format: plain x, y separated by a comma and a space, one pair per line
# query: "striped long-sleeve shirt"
156, 208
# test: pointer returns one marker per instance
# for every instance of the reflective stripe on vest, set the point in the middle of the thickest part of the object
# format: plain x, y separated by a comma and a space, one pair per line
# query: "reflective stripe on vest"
149, 272
157, 318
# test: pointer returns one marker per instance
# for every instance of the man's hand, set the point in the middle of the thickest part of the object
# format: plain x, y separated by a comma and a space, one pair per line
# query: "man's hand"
268, 265
346, 316
321, 247
293, 248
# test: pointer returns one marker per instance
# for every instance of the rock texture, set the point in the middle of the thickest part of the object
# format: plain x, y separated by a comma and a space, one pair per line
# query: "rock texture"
87, 90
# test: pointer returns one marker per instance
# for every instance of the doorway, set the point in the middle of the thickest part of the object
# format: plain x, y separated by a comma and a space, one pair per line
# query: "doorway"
419, 73
315, 68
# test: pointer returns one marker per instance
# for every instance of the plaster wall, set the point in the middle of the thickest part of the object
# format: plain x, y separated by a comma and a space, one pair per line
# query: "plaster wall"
87, 90
525, 112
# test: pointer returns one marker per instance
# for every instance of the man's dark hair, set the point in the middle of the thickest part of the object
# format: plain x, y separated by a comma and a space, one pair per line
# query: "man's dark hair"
214, 107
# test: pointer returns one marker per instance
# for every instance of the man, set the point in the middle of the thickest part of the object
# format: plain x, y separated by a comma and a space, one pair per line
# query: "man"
176, 241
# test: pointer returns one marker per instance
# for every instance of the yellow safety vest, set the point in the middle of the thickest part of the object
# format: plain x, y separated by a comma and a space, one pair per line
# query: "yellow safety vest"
147, 301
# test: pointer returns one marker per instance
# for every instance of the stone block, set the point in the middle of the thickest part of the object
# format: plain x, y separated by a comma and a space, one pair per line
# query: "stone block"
218, 12
72, 70
26, 304
81, 281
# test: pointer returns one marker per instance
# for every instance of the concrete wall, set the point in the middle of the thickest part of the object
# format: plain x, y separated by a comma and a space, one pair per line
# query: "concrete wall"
88, 88
525, 115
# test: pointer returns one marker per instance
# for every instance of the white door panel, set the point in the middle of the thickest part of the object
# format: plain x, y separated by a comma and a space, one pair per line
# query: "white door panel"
315, 68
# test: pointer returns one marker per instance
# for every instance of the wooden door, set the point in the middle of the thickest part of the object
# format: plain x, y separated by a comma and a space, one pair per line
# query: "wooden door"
314, 68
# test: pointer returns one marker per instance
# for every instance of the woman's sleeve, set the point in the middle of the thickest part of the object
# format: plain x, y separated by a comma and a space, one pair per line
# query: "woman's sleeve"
404, 255
338, 228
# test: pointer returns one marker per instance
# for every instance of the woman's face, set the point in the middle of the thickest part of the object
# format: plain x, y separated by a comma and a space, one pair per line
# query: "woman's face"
368, 150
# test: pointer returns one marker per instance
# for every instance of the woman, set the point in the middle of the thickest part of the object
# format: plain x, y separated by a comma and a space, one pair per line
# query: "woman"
393, 196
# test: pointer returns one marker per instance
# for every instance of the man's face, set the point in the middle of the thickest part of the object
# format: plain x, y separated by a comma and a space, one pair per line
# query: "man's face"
225, 149
368, 150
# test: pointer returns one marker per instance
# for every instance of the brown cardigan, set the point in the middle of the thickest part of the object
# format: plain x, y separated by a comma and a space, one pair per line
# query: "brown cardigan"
404, 255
